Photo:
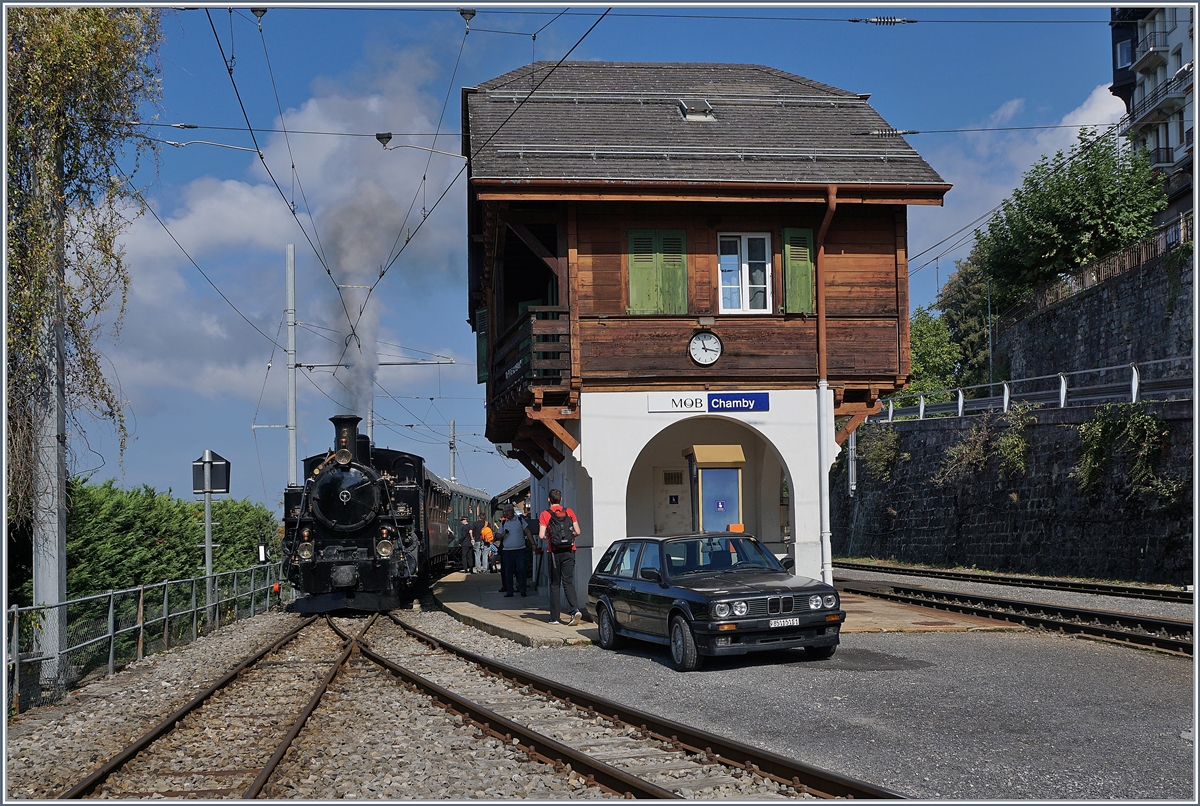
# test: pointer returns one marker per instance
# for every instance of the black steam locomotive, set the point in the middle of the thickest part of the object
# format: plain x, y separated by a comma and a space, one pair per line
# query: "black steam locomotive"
371, 527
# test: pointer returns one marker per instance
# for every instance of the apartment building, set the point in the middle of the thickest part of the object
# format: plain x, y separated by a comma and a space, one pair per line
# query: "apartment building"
1152, 53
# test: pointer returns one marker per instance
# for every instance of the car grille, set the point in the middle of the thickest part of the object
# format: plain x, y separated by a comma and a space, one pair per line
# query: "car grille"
769, 606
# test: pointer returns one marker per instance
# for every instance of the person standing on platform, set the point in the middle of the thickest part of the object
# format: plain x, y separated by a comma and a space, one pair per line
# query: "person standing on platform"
514, 535
559, 527
481, 547
465, 545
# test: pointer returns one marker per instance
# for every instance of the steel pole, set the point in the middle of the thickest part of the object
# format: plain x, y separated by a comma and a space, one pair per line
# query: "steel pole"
293, 473
823, 460
208, 562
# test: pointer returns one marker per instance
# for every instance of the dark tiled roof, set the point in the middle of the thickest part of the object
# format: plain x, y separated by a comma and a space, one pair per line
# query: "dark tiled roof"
605, 121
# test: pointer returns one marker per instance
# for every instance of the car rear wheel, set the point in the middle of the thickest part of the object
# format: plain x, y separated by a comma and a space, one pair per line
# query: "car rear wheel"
608, 630
820, 652
683, 646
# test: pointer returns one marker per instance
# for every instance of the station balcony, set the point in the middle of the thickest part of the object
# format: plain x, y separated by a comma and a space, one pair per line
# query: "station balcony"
530, 366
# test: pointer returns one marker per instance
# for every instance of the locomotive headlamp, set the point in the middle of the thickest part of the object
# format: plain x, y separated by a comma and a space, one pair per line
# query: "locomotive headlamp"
343, 456
739, 608
814, 602
305, 550
830, 600
721, 610
384, 548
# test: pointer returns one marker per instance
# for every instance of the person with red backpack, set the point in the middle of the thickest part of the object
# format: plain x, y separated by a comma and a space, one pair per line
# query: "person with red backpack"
559, 527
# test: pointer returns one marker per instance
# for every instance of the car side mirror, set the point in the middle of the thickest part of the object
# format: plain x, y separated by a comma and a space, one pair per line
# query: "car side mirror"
788, 563
651, 574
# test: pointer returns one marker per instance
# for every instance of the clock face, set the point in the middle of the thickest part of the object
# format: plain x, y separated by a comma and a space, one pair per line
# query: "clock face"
705, 348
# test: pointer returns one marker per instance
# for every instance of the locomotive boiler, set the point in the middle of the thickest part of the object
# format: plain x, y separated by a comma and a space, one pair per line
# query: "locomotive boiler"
370, 528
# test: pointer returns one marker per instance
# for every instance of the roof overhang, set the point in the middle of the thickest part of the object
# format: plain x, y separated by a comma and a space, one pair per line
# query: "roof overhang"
495, 189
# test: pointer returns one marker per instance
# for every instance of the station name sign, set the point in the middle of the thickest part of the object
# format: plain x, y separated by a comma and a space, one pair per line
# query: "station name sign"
707, 402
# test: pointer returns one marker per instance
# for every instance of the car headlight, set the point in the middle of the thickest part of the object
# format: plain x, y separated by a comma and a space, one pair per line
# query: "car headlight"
384, 548
721, 610
305, 550
739, 608
814, 601
830, 600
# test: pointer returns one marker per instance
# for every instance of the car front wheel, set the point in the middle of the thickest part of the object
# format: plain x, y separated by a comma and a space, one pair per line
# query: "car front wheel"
683, 646
608, 630
820, 652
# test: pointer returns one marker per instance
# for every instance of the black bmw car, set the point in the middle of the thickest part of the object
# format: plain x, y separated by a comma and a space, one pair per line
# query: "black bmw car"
718, 593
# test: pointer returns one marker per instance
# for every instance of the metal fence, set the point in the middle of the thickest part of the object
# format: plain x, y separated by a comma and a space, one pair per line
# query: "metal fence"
52, 649
1167, 379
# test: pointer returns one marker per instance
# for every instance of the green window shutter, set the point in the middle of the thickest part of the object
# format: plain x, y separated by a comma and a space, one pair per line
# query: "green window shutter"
673, 270
644, 292
481, 345
798, 271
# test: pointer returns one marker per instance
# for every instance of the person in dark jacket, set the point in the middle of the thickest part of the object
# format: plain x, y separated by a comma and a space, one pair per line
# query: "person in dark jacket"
465, 546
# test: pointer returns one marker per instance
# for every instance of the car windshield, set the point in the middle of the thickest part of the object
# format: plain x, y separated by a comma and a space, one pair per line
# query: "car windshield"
707, 555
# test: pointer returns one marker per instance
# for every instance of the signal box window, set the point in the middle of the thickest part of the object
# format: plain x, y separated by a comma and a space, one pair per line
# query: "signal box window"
745, 264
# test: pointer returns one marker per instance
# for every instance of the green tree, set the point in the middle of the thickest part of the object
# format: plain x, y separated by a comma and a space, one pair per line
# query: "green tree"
934, 355
119, 538
76, 79
1069, 211
963, 301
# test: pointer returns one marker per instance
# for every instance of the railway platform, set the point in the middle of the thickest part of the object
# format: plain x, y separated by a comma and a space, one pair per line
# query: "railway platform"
475, 599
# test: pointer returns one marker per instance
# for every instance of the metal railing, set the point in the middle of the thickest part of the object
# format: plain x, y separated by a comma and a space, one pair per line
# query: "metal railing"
1166, 379
1176, 87
54, 648
1156, 40
1154, 246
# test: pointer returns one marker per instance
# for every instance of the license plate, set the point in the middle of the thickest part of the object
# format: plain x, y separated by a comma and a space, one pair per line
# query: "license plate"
785, 622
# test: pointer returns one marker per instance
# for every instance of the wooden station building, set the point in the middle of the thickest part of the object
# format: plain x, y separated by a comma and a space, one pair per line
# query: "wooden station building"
680, 277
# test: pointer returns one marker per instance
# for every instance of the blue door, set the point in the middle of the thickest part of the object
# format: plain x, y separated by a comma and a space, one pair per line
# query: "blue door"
720, 498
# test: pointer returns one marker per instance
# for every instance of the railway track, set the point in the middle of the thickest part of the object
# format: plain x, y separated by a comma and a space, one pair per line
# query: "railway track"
681, 760
1131, 591
581, 743
1166, 635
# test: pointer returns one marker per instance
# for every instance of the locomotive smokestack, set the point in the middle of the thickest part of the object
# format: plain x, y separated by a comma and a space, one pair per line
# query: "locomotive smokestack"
345, 437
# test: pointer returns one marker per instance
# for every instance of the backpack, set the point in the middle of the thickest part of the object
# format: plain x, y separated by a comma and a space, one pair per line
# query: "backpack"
560, 531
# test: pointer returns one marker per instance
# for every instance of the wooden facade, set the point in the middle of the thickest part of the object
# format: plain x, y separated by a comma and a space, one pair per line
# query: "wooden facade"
556, 285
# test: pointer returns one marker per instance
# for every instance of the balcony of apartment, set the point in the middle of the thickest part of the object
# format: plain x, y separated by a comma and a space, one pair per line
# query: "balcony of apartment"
1151, 53
1158, 103
1162, 157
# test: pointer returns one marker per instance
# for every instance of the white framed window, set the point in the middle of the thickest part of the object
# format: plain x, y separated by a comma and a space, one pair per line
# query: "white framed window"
1124, 54
745, 261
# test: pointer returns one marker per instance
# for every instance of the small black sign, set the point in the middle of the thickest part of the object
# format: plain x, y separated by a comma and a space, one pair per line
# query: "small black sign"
219, 475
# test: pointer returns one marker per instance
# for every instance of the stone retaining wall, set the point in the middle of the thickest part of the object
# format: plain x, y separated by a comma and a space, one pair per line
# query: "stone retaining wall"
1036, 522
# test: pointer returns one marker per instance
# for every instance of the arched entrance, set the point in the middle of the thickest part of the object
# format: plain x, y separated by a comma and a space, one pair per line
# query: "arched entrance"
659, 494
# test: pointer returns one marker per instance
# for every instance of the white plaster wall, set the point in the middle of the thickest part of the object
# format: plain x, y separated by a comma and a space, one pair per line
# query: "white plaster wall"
614, 427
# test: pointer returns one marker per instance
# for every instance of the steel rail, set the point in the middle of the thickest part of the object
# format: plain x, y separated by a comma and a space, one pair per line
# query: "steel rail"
803, 777
96, 778
1142, 631
536, 745
1101, 588
350, 644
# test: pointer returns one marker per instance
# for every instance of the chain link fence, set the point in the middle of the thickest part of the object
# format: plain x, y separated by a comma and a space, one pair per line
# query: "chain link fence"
53, 649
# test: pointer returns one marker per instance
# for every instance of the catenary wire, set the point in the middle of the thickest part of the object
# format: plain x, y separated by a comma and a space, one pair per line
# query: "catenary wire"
171, 235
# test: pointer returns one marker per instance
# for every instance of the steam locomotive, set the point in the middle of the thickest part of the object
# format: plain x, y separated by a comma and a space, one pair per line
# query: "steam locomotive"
371, 527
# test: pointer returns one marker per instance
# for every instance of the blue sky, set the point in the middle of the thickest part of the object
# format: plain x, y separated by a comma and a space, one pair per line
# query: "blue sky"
196, 374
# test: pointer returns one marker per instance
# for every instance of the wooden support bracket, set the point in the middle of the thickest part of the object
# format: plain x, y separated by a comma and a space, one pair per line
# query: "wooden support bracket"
525, 460
854, 422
